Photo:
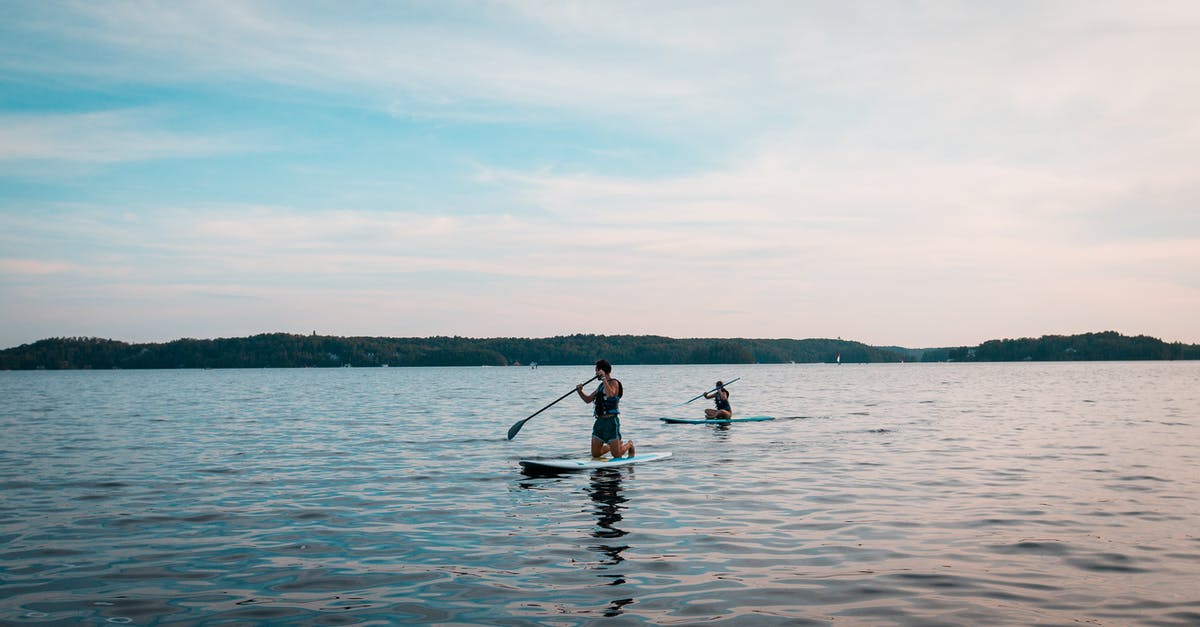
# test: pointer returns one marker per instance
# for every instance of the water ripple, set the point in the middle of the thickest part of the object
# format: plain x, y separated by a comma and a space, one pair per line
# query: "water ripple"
917, 494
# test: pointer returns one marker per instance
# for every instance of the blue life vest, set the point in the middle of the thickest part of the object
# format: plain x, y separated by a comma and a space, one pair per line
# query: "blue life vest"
607, 405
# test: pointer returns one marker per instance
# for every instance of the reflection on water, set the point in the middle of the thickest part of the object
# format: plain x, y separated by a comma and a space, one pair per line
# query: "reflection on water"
608, 502
605, 490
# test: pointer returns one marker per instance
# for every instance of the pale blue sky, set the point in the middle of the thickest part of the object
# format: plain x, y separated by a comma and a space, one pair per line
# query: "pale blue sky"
921, 174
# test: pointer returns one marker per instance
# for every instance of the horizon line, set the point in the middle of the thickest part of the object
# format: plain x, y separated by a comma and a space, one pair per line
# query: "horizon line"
548, 337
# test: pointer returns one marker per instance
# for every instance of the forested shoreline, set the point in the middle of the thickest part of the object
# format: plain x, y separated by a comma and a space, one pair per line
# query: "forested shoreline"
285, 350
1106, 346
282, 350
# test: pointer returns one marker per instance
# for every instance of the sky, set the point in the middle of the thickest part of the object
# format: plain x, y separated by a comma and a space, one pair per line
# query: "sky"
897, 173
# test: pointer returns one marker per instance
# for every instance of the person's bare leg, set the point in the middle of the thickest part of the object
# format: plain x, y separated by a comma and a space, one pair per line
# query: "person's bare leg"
621, 450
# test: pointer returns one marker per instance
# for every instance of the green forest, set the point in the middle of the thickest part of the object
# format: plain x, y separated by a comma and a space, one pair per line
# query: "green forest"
1106, 346
285, 350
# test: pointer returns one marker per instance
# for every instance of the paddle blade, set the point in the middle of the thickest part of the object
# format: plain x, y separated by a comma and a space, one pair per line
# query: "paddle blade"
516, 428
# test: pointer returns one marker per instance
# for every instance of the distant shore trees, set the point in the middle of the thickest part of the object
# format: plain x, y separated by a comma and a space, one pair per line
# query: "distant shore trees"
286, 350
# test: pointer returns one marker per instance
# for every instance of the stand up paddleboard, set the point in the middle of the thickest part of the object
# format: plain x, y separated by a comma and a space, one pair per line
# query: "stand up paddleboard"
585, 463
714, 421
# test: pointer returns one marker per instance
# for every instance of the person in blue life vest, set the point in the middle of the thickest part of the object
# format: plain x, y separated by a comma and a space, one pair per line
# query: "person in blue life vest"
723, 411
606, 430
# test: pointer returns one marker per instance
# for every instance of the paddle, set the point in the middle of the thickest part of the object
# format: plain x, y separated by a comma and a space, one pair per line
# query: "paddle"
708, 392
516, 428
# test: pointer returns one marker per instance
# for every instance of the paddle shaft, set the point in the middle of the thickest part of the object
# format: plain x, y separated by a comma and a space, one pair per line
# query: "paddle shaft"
516, 428
708, 392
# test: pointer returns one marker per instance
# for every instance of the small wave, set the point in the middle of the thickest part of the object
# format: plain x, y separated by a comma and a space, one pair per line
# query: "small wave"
98, 484
95, 496
1106, 562
207, 517
219, 471
449, 442
1033, 547
1143, 478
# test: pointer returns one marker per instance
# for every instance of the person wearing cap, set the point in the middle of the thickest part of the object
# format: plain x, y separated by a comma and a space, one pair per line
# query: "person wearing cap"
723, 411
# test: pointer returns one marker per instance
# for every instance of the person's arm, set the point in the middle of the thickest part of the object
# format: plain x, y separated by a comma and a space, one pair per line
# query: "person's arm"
612, 387
587, 398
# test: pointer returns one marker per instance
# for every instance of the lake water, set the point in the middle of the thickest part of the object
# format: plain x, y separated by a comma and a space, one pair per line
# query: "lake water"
954, 494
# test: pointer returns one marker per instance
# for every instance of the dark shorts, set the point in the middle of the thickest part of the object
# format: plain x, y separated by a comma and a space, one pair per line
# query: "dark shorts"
607, 429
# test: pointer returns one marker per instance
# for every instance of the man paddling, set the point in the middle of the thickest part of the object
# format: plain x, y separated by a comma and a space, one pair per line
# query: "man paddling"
606, 430
724, 410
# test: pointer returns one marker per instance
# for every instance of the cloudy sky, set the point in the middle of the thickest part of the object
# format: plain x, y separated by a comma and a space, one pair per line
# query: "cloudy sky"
911, 173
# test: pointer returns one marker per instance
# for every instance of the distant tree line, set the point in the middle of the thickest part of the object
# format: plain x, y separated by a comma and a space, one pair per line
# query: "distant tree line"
284, 350
1106, 346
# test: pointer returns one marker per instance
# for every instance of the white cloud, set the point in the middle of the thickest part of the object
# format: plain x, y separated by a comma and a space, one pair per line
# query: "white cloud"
35, 267
943, 77
103, 137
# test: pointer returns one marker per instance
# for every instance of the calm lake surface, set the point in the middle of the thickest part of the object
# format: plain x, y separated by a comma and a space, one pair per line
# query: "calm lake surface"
957, 494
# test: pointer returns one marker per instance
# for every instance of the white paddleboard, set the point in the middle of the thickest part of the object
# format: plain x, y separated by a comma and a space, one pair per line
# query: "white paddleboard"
715, 421
585, 463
